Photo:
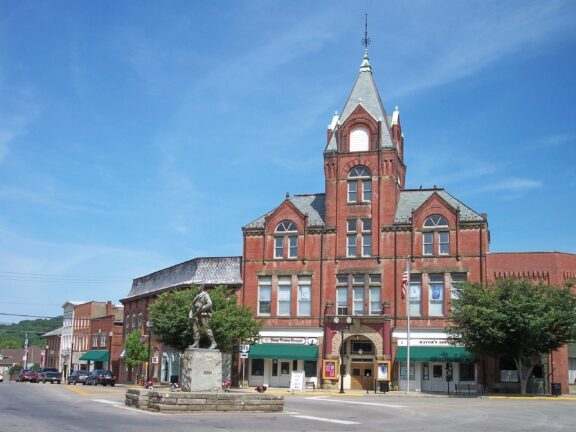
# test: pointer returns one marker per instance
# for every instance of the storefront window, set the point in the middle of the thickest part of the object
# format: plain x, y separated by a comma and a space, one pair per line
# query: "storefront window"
403, 372
310, 368
257, 367
467, 372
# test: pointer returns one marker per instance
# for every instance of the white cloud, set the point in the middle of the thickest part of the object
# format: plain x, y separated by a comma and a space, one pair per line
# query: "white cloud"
19, 109
556, 140
480, 37
514, 185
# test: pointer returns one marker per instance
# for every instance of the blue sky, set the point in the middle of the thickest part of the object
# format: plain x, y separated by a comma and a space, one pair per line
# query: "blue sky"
135, 135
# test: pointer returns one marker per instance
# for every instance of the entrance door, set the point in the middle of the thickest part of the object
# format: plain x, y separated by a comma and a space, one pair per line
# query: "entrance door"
436, 381
362, 376
280, 376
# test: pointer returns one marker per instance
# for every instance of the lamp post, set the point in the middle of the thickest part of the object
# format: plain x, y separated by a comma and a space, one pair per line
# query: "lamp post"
148, 328
110, 351
341, 331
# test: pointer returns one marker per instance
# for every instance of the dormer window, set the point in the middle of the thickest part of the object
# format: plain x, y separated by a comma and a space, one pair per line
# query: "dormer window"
360, 139
286, 240
359, 185
436, 237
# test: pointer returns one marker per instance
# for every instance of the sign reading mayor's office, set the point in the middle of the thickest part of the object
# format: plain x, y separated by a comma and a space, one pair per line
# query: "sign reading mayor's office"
424, 342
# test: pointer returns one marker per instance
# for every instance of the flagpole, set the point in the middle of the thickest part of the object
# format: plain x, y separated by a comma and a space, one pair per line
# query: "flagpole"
408, 327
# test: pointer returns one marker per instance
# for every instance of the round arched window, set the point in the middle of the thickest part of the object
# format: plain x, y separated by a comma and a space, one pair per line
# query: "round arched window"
286, 240
359, 185
436, 237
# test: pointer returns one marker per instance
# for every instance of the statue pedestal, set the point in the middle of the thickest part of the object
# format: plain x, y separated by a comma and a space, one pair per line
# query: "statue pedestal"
201, 370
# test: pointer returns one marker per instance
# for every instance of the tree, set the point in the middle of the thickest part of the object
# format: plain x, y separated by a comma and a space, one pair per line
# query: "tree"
136, 352
12, 335
230, 322
514, 318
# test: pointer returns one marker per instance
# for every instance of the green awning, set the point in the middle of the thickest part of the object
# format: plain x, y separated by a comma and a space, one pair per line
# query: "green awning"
434, 354
97, 355
283, 351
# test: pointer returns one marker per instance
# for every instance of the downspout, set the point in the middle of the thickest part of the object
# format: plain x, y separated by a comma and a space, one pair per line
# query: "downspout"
481, 254
395, 274
244, 270
321, 306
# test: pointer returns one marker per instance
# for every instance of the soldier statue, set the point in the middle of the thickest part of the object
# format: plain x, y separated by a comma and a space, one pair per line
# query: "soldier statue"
200, 313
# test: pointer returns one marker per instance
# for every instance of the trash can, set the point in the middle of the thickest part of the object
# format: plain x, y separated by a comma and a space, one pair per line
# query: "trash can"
556, 389
384, 386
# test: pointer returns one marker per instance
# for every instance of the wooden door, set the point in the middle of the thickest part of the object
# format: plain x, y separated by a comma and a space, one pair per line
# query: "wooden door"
362, 376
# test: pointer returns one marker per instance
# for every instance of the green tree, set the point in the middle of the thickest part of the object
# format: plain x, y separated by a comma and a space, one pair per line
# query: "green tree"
230, 322
514, 318
13, 335
136, 351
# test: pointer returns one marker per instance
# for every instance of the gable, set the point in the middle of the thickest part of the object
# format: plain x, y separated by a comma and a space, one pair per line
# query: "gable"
412, 200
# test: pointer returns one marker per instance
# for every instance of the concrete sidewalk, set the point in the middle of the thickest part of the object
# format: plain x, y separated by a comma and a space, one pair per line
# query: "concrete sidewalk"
390, 394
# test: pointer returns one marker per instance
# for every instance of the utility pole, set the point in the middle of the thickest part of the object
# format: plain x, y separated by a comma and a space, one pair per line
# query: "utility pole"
26, 352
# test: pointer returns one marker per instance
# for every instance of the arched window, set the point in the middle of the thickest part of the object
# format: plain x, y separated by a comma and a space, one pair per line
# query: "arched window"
436, 233
435, 221
359, 185
286, 240
360, 139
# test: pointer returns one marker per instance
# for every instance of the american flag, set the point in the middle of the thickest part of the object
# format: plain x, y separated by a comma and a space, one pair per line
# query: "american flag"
405, 281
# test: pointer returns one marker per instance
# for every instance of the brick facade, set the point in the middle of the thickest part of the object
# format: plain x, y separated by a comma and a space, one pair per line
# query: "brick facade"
353, 241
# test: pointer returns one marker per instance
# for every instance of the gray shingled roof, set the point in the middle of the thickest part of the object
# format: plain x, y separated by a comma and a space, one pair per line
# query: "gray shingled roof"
366, 94
55, 332
312, 205
208, 271
413, 199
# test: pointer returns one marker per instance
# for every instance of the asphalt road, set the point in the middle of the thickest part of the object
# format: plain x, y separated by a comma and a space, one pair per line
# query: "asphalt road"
52, 407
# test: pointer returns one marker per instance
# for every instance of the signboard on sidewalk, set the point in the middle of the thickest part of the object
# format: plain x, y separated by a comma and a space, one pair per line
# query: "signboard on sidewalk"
297, 381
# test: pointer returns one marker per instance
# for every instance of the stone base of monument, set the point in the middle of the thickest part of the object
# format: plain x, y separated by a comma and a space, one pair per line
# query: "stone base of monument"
201, 370
203, 401
201, 384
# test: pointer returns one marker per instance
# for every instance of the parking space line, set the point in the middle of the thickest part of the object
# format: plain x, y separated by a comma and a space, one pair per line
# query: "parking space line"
348, 402
327, 420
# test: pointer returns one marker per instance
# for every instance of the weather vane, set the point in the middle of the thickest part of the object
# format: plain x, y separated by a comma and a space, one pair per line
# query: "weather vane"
366, 40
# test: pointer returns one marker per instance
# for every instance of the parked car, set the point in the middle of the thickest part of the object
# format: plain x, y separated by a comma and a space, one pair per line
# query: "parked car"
77, 376
101, 376
50, 376
1, 377
29, 375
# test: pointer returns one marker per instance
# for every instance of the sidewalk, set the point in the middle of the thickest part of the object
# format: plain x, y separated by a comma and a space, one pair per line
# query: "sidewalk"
390, 394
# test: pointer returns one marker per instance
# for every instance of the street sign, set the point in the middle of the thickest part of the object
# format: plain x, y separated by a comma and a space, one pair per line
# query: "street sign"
244, 355
244, 348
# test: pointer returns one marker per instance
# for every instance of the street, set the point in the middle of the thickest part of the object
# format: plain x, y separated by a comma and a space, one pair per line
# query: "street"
50, 408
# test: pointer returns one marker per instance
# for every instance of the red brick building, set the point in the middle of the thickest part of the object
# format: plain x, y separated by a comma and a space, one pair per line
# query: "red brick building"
551, 268
324, 270
97, 336
164, 365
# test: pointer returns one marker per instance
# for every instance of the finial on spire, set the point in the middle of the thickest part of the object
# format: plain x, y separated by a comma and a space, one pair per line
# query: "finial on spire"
365, 66
366, 40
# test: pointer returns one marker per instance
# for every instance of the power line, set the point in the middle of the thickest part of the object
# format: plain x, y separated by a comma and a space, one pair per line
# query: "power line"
24, 331
30, 316
56, 278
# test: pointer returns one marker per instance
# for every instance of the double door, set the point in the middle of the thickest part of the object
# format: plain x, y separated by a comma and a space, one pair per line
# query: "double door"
362, 376
434, 376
